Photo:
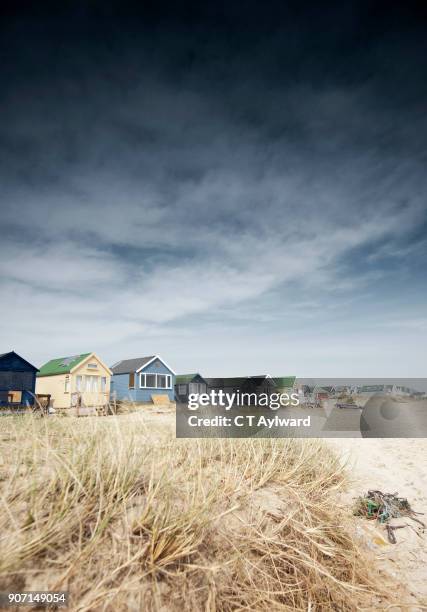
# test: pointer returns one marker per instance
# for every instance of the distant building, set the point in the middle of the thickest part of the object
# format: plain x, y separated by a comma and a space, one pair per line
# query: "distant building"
309, 394
17, 380
138, 379
389, 388
78, 380
186, 384
321, 393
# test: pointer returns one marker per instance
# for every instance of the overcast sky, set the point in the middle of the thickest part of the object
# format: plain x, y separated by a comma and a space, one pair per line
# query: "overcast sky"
241, 190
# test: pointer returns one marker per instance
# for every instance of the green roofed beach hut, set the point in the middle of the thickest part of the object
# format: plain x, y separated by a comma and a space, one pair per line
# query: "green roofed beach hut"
77, 380
189, 383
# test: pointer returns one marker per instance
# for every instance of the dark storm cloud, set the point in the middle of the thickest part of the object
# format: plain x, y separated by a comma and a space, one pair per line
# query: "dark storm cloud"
241, 158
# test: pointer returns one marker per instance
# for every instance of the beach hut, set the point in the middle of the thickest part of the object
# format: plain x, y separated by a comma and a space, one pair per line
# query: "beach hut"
189, 383
140, 379
320, 394
17, 380
78, 380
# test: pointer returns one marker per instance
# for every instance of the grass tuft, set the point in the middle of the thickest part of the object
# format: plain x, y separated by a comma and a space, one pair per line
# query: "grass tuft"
128, 518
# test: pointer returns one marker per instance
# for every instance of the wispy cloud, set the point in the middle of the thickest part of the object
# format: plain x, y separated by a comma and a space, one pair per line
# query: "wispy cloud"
170, 203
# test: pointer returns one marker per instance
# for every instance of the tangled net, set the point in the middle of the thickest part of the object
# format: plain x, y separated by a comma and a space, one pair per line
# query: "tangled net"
383, 507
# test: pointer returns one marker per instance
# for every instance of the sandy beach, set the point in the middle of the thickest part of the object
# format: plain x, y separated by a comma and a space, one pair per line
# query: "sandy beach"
391, 465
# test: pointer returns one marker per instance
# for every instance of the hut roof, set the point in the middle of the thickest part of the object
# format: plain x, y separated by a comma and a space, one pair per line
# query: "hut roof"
186, 378
61, 365
126, 366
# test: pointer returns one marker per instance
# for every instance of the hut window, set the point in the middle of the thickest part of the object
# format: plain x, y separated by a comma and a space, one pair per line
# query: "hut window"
155, 381
67, 384
150, 381
103, 384
182, 389
132, 380
92, 384
92, 366
79, 380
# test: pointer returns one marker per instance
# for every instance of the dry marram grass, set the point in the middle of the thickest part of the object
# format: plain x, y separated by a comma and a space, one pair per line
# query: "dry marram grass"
128, 518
